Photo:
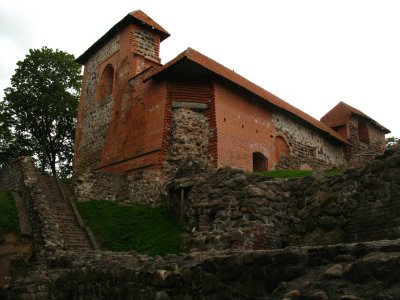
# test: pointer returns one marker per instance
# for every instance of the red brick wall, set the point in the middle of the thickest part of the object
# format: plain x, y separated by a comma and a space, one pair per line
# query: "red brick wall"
243, 127
136, 130
104, 134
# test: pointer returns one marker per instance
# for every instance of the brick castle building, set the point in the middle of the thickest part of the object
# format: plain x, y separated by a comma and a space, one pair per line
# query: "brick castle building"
136, 114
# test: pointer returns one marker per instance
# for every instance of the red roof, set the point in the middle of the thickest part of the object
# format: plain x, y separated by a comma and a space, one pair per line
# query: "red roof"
216, 68
341, 113
135, 17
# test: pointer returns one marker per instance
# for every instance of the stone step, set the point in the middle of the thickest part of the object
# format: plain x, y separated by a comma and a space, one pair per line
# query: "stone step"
75, 237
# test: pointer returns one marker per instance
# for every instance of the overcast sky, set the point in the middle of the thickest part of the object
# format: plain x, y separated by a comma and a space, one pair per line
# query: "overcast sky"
310, 53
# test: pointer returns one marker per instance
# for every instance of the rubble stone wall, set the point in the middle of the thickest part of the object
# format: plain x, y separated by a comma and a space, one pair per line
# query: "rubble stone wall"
146, 43
45, 229
360, 153
366, 271
308, 148
230, 209
11, 176
189, 137
94, 115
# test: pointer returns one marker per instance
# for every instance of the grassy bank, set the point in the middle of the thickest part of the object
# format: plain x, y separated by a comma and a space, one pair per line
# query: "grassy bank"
147, 230
8, 214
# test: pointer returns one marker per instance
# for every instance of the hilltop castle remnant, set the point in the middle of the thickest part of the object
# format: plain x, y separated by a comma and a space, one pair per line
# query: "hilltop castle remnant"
136, 114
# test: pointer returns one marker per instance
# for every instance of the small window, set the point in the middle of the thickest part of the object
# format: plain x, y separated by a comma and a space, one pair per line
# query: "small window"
106, 82
260, 162
363, 134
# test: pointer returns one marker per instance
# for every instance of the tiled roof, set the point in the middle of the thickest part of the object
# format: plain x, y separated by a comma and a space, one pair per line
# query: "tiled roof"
340, 114
217, 68
135, 17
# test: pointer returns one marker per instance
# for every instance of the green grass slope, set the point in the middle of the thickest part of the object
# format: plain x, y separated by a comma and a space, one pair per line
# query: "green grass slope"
147, 230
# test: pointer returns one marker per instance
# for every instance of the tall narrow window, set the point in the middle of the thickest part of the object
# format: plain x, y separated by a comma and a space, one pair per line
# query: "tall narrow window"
106, 82
260, 162
363, 134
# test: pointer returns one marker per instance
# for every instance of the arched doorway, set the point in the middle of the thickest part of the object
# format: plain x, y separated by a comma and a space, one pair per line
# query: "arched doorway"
260, 162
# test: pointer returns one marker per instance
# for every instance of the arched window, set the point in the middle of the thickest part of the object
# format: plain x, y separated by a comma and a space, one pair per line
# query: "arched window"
106, 82
281, 148
260, 162
363, 135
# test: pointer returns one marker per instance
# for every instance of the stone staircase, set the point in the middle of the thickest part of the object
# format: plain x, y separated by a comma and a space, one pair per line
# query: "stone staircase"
75, 235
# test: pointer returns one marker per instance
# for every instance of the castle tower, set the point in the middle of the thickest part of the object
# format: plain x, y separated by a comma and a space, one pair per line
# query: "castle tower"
128, 48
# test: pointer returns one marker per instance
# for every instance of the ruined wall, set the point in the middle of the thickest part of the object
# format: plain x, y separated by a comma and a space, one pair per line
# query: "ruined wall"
243, 127
137, 188
346, 272
359, 153
11, 176
360, 205
229, 209
308, 148
93, 115
21, 176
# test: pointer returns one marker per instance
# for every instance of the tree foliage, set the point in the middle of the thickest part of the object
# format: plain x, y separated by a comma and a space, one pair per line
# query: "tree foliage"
392, 141
38, 112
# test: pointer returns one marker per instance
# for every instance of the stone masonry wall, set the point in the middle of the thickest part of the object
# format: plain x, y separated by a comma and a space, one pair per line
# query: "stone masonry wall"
11, 176
245, 212
308, 148
229, 209
359, 153
101, 186
189, 139
360, 205
46, 231
146, 43
95, 115
363, 271
134, 188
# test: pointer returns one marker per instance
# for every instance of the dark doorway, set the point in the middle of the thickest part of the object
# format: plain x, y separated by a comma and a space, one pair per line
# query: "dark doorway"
260, 162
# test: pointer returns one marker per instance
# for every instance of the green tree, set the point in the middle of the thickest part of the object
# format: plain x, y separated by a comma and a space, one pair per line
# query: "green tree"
38, 112
392, 141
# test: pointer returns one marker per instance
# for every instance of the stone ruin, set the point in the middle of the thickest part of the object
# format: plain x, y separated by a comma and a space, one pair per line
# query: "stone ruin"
252, 237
